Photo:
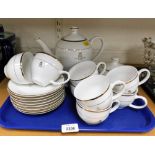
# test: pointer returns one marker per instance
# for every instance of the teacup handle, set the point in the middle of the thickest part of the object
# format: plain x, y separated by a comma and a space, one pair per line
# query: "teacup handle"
140, 106
115, 107
104, 68
116, 95
63, 82
147, 76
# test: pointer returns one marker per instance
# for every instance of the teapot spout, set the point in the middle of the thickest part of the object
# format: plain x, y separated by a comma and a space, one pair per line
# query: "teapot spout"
44, 46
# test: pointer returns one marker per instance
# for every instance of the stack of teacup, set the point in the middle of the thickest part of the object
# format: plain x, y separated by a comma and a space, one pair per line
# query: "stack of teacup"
99, 95
37, 73
131, 76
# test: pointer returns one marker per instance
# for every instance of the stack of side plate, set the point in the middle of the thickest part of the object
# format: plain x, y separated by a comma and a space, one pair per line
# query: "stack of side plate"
33, 99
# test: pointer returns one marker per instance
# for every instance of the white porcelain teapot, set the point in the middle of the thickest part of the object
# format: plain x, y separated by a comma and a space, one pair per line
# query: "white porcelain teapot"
74, 48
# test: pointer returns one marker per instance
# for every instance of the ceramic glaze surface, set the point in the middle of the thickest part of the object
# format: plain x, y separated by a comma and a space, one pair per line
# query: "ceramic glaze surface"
91, 87
84, 70
32, 89
75, 48
18, 68
130, 75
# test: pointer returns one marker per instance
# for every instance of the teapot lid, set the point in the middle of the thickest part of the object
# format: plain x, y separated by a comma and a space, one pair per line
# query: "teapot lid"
74, 36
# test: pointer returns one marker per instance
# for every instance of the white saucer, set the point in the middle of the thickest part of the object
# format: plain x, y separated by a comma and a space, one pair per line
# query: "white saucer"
36, 100
53, 100
39, 110
32, 89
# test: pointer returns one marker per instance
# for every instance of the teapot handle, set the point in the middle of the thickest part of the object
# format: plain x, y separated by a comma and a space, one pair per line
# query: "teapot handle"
102, 44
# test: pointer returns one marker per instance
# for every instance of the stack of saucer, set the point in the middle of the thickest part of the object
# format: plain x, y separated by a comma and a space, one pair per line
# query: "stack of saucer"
34, 99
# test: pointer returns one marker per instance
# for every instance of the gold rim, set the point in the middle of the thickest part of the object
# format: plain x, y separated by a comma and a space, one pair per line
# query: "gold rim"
44, 106
34, 113
95, 97
35, 96
31, 112
74, 40
94, 111
36, 101
98, 103
47, 54
21, 66
32, 102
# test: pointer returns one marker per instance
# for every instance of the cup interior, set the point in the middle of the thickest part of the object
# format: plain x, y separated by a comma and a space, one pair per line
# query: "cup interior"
124, 73
26, 61
92, 87
82, 70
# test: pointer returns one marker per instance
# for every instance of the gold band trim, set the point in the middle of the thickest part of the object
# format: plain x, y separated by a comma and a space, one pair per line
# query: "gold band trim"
95, 97
94, 111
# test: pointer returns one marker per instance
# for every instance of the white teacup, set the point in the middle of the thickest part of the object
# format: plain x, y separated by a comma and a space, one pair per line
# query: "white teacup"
47, 70
93, 116
18, 68
128, 99
98, 103
49, 59
97, 92
130, 75
84, 70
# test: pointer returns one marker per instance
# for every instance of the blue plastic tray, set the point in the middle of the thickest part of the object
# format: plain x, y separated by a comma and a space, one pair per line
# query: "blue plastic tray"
122, 120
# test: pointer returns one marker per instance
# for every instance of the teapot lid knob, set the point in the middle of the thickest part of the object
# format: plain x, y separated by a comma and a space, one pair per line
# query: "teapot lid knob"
115, 59
74, 36
74, 28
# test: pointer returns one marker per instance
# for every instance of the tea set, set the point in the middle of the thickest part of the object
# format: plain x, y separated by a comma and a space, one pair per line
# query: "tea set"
98, 91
